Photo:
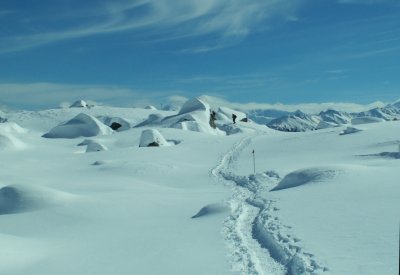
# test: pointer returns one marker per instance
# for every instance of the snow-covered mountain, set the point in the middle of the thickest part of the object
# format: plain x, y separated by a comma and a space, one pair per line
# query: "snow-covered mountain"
335, 117
261, 116
301, 122
389, 112
296, 122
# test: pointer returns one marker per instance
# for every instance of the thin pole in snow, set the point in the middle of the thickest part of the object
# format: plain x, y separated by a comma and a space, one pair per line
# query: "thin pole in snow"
254, 162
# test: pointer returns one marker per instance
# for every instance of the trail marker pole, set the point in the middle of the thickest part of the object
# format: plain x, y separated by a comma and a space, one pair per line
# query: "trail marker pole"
254, 162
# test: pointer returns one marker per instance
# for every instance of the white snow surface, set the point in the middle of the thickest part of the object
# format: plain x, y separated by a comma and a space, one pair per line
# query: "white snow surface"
83, 125
319, 202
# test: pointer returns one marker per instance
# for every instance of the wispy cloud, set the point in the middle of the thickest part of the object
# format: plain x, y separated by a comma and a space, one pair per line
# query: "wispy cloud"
226, 20
312, 108
52, 95
36, 96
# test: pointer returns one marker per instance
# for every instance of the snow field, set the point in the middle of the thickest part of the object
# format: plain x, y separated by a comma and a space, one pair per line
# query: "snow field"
319, 203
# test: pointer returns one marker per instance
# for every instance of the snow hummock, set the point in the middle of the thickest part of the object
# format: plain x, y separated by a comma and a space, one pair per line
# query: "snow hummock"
79, 104
194, 115
152, 138
150, 107
83, 125
95, 147
305, 176
21, 198
194, 104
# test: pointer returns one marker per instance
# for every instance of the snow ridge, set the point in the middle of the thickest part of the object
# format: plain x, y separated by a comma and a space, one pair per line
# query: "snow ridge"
258, 241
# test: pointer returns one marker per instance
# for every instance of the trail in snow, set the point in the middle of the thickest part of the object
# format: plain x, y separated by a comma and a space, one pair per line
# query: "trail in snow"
258, 242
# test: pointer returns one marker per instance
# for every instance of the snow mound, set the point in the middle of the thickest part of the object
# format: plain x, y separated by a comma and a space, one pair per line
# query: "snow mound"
349, 130
83, 125
79, 104
19, 198
193, 116
191, 125
211, 209
365, 120
305, 176
194, 104
95, 147
152, 138
116, 123
150, 107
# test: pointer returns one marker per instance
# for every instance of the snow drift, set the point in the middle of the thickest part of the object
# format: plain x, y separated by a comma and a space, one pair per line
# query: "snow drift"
193, 116
305, 176
21, 198
83, 125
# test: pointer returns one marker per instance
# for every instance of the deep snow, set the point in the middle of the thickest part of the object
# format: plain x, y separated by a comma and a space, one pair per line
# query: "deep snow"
319, 203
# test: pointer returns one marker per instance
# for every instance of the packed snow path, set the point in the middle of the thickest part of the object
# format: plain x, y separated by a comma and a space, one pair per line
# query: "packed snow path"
258, 242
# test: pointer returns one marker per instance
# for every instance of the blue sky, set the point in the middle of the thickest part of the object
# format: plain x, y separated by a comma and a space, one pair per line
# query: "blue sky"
243, 50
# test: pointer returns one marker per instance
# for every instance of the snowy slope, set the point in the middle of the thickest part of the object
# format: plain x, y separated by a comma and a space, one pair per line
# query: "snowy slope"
334, 197
196, 207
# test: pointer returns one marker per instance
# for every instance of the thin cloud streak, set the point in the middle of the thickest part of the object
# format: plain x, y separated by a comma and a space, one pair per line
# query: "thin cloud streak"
228, 21
52, 95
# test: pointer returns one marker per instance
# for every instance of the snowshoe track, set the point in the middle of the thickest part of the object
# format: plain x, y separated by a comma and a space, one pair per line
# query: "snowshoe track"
258, 242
